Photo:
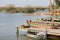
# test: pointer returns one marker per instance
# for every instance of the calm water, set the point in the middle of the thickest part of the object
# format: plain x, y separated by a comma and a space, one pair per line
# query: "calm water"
8, 24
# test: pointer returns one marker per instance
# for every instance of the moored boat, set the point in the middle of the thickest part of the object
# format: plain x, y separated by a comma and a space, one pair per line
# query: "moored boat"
37, 33
22, 29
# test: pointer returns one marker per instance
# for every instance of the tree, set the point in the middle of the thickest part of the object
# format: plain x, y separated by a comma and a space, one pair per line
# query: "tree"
57, 2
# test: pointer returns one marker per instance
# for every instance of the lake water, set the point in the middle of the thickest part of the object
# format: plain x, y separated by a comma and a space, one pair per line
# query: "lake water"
8, 24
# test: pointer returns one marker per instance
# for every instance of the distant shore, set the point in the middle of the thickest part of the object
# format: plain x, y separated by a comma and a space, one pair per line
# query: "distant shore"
28, 9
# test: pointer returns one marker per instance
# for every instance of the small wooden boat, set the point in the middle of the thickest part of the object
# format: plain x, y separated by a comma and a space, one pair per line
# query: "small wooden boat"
36, 32
23, 29
46, 33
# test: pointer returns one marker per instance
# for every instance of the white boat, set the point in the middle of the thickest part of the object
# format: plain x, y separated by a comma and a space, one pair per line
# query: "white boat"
32, 36
22, 31
37, 31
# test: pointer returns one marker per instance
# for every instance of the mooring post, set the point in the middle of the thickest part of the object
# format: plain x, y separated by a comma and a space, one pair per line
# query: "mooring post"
17, 30
17, 33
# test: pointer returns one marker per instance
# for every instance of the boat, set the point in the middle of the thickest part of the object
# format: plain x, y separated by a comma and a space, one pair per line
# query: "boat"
37, 33
52, 30
22, 29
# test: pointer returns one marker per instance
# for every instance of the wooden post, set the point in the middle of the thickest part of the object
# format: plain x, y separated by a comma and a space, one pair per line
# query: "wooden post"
17, 33
52, 13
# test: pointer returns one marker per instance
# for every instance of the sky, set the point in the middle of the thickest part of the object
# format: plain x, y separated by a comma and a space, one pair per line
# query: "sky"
25, 2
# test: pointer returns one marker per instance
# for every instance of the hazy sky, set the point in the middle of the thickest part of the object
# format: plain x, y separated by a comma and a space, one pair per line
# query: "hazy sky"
25, 2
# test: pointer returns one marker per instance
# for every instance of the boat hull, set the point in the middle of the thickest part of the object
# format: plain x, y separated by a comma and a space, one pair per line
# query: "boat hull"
22, 31
32, 36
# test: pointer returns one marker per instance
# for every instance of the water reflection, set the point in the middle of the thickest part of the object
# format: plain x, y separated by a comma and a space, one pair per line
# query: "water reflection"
8, 24
17, 33
23, 37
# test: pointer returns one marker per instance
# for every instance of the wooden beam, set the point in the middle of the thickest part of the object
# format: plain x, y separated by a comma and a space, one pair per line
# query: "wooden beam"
52, 13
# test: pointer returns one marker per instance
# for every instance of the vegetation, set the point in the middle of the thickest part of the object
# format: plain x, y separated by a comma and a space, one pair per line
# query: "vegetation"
57, 2
13, 9
1, 9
